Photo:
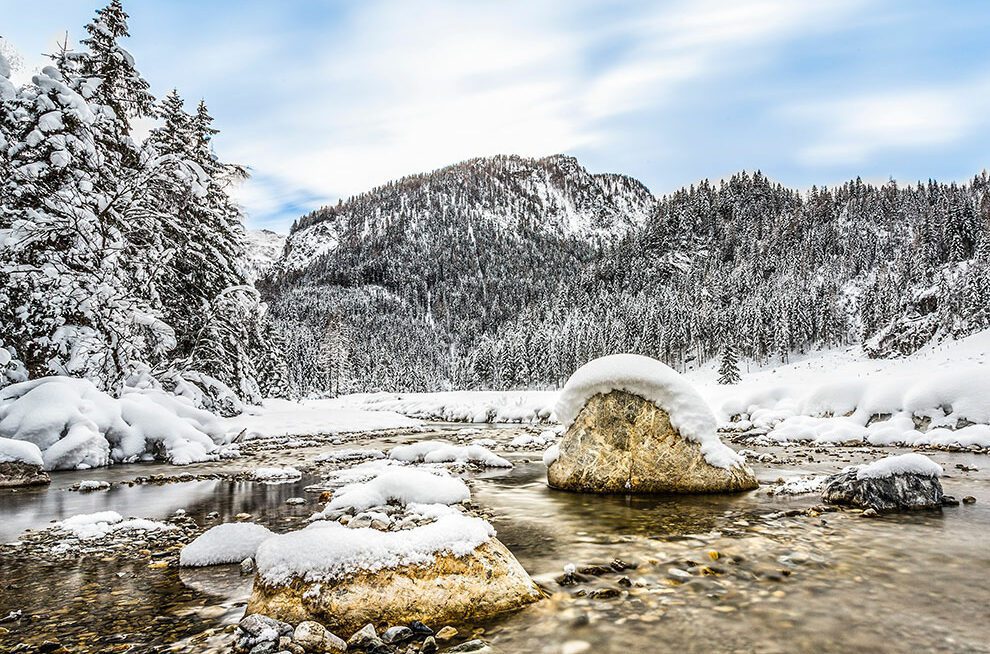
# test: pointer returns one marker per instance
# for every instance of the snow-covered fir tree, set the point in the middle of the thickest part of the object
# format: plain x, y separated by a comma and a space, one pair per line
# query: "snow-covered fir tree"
728, 368
119, 257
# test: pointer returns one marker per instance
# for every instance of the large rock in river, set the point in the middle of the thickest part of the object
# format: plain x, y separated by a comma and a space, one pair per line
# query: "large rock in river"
634, 425
346, 578
896, 483
19, 473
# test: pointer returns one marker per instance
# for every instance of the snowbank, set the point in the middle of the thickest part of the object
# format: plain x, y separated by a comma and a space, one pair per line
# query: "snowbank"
228, 543
75, 425
534, 407
12, 451
551, 454
441, 452
912, 463
653, 381
309, 417
832, 396
327, 551
96, 525
402, 485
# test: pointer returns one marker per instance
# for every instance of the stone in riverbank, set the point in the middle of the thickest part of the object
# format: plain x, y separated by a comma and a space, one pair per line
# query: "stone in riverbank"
898, 492
486, 582
620, 442
15, 474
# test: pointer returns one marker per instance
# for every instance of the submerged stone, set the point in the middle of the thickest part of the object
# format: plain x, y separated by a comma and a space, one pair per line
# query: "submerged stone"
622, 443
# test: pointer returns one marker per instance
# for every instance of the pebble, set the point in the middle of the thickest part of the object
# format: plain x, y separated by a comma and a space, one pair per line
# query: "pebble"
575, 647
469, 646
969, 499
446, 633
397, 634
295, 501
243, 516
363, 636
247, 566
429, 645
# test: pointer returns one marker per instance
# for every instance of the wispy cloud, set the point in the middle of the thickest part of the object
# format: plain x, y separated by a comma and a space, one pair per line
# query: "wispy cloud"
851, 130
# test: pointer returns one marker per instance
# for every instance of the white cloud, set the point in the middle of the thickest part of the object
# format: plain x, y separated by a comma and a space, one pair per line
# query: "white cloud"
851, 130
414, 86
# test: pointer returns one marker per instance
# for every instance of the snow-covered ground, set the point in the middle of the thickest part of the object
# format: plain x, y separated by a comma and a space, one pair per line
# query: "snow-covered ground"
287, 418
938, 396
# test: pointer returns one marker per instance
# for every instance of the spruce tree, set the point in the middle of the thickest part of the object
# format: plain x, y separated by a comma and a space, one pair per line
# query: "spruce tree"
728, 370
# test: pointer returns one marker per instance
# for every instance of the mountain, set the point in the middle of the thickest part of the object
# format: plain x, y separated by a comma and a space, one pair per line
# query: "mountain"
263, 249
508, 272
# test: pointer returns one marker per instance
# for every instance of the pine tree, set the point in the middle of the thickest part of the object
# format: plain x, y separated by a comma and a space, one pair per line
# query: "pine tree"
728, 370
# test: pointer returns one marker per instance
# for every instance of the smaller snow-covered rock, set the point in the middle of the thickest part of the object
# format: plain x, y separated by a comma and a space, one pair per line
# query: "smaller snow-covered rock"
227, 543
895, 483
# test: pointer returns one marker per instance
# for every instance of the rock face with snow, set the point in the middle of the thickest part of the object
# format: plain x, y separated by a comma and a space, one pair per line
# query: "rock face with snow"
402, 584
18, 473
634, 425
896, 483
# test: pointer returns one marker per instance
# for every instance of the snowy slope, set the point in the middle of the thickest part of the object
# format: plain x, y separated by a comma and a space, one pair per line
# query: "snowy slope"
264, 247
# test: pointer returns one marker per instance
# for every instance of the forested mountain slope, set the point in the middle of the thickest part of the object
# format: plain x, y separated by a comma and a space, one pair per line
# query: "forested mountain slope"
511, 272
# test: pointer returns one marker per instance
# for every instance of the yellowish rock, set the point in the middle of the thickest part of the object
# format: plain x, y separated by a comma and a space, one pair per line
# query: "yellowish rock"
622, 443
452, 589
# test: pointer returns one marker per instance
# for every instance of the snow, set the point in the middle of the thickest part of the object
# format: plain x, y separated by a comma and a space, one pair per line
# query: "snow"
799, 485
911, 463
544, 438
20, 451
441, 452
402, 485
842, 396
308, 417
75, 425
275, 474
551, 455
327, 550
86, 526
93, 485
653, 381
347, 455
263, 247
227, 543
511, 407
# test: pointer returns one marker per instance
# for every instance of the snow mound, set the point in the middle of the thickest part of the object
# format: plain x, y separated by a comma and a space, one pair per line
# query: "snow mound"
544, 438
551, 455
799, 485
326, 551
653, 381
75, 425
12, 451
441, 452
275, 474
402, 485
86, 526
912, 463
308, 417
227, 543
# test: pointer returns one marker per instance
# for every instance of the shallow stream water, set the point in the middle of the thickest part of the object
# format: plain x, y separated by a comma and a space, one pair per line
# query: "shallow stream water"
712, 573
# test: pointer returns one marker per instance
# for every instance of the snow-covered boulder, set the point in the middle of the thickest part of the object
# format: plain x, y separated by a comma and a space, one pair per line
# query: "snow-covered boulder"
453, 569
635, 425
894, 483
21, 464
76, 425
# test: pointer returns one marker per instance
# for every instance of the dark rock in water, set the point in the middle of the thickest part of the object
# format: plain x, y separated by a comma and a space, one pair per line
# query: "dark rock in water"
17, 473
969, 499
898, 492
948, 500
420, 629
394, 635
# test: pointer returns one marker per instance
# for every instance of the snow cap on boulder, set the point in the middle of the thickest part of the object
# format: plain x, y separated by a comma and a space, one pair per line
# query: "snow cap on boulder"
653, 381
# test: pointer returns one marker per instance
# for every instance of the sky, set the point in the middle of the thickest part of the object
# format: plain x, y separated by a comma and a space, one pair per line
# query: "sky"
324, 99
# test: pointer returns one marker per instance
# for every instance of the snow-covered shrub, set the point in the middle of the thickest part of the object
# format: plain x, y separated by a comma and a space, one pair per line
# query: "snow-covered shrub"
76, 425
